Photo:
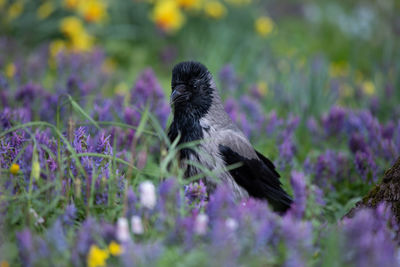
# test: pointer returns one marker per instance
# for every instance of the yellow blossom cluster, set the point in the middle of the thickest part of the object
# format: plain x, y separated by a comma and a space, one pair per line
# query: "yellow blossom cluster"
97, 257
169, 15
90, 10
264, 26
78, 39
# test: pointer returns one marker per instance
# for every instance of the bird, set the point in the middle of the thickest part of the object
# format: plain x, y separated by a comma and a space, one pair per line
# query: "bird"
199, 115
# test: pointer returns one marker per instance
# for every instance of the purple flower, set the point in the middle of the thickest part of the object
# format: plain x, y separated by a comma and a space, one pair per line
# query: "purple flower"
56, 237
229, 80
232, 108
357, 143
69, 215
25, 246
333, 122
368, 241
273, 123
147, 90
297, 236
366, 166
28, 93
287, 150
388, 130
300, 194
196, 193
330, 167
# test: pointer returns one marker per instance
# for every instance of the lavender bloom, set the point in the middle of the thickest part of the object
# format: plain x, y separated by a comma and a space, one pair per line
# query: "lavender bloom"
231, 108
388, 130
25, 244
300, 194
298, 241
69, 215
28, 93
313, 127
287, 147
287, 150
131, 116
357, 143
148, 90
368, 241
397, 136
56, 237
196, 194
366, 166
229, 80
330, 168
254, 111
220, 203
273, 122
142, 254
132, 201
75, 86
102, 110
333, 122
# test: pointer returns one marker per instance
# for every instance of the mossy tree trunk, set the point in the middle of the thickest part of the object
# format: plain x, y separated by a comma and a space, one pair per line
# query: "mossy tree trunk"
388, 192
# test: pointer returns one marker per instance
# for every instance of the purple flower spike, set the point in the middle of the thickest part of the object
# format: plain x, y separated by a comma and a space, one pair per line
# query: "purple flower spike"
300, 194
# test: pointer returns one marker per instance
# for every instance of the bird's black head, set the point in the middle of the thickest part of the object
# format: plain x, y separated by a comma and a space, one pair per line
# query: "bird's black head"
191, 89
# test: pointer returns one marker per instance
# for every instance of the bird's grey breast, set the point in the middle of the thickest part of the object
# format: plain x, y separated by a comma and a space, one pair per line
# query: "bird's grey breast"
214, 133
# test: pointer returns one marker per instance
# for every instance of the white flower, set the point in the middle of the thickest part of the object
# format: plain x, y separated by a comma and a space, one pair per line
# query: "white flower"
136, 225
231, 224
200, 225
147, 194
39, 219
123, 230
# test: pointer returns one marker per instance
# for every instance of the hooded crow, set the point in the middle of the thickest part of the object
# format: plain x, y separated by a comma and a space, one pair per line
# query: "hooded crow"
198, 115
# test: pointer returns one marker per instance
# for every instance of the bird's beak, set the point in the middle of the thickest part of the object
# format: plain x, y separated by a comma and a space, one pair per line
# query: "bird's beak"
177, 92
174, 95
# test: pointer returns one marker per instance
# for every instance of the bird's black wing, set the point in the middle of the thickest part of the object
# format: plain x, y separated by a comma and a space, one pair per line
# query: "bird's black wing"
258, 176
268, 163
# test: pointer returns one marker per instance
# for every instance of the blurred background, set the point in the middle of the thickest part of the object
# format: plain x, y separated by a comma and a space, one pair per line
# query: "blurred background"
310, 54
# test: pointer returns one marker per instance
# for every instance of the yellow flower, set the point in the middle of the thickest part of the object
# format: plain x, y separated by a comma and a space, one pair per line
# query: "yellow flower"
10, 70
214, 9
93, 10
14, 169
368, 88
4, 264
45, 10
167, 15
15, 10
264, 26
56, 47
262, 88
97, 256
72, 4
190, 4
71, 26
82, 42
115, 248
